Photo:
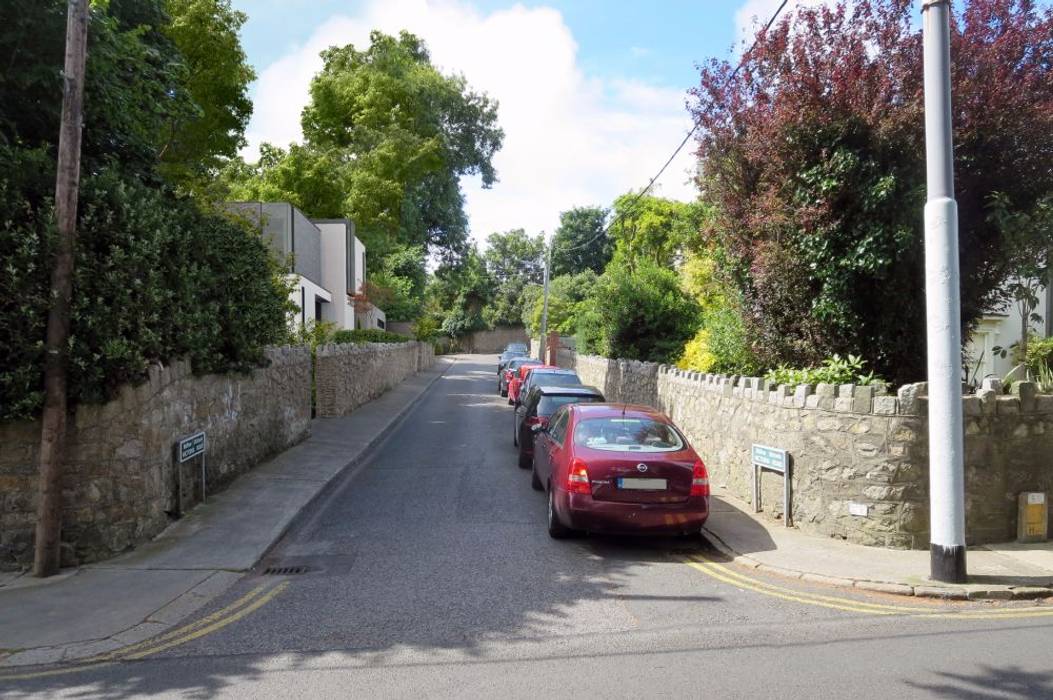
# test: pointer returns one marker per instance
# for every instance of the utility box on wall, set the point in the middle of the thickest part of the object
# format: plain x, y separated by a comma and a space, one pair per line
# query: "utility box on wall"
1032, 521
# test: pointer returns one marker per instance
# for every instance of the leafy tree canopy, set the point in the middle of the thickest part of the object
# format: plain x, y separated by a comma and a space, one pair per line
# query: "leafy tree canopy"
216, 77
653, 228
567, 294
813, 161
515, 256
580, 242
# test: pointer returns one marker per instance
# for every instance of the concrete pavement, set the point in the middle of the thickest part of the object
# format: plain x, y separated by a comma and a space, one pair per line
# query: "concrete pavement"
122, 601
1002, 571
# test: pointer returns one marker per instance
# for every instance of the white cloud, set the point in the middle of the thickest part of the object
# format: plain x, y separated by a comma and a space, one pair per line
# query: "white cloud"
570, 139
754, 14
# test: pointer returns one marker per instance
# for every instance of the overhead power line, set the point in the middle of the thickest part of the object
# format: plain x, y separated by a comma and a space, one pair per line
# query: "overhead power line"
676, 152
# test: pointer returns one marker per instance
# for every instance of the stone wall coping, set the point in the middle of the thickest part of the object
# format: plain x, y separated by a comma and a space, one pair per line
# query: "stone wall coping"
865, 399
334, 349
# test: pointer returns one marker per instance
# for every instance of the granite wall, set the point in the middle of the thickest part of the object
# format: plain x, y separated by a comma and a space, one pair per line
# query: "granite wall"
349, 375
122, 484
859, 453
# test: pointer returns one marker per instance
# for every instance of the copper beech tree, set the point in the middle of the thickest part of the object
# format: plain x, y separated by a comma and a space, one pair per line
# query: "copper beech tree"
813, 158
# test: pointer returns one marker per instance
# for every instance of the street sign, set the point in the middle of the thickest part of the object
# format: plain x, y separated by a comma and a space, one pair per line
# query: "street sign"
770, 458
186, 449
190, 447
774, 460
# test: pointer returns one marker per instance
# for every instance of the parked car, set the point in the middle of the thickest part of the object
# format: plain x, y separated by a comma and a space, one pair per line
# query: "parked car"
538, 407
518, 377
517, 347
504, 378
619, 469
507, 356
546, 374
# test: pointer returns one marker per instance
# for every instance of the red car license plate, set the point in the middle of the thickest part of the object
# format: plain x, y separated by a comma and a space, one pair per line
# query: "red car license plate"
642, 484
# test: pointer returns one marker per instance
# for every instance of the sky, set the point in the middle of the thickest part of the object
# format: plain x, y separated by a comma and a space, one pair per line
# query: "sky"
591, 93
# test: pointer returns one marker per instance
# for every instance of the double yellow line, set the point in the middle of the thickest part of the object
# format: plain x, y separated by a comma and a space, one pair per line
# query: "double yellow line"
731, 577
247, 604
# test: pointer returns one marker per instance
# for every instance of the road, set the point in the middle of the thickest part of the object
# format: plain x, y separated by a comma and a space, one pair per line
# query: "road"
428, 572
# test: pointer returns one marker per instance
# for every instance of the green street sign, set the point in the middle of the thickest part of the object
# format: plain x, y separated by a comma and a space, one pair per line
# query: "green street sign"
770, 458
190, 447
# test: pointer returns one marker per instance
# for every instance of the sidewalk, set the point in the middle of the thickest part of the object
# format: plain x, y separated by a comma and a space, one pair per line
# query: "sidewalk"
1001, 571
125, 600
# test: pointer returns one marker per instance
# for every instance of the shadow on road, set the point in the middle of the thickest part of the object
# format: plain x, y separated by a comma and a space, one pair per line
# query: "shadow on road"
1007, 683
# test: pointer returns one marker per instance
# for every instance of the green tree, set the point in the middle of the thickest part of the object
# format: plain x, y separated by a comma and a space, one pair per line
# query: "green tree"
566, 296
637, 313
407, 133
154, 272
401, 277
514, 261
216, 76
387, 138
654, 228
515, 255
580, 243
301, 175
458, 293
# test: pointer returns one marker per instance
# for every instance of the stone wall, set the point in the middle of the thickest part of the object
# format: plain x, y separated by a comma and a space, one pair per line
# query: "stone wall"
347, 376
486, 342
401, 327
849, 444
121, 480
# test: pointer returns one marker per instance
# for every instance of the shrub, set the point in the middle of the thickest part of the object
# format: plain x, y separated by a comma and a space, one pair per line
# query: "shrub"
155, 279
721, 344
1040, 353
314, 333
368, 335
637, 314
834, 370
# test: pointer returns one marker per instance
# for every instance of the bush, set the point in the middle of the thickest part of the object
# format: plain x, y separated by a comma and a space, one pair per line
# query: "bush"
368, 335
721, 344
155, 279
834, 370
1040, 353
637, 314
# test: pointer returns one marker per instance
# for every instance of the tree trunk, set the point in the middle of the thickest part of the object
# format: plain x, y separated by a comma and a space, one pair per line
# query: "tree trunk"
47, 551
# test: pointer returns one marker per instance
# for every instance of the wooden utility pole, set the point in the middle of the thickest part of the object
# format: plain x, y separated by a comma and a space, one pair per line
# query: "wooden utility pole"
47, 552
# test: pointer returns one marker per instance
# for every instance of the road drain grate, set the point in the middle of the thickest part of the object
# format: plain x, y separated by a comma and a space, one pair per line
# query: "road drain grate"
284, 570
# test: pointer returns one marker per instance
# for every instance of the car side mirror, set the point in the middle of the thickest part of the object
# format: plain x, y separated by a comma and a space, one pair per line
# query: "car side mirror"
538, 428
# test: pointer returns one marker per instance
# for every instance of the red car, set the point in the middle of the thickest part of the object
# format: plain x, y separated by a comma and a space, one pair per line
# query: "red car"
618, 469
516, 382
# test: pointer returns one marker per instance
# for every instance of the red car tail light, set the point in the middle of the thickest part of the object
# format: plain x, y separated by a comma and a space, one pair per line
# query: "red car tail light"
578, 478
699, 480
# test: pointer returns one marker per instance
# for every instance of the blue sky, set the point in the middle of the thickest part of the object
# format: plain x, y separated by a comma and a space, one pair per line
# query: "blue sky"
591, 92
617, 38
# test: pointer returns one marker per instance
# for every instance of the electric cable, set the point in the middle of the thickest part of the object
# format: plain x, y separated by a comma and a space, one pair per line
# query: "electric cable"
676, 152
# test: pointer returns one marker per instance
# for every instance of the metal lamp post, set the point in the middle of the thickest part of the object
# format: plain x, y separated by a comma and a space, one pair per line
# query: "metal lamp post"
943, 308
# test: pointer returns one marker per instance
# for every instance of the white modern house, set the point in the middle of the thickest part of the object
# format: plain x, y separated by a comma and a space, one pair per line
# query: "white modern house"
1003, 329
328, 263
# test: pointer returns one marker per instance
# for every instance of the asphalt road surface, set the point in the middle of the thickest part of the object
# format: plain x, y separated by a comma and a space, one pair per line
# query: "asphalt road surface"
428, 572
